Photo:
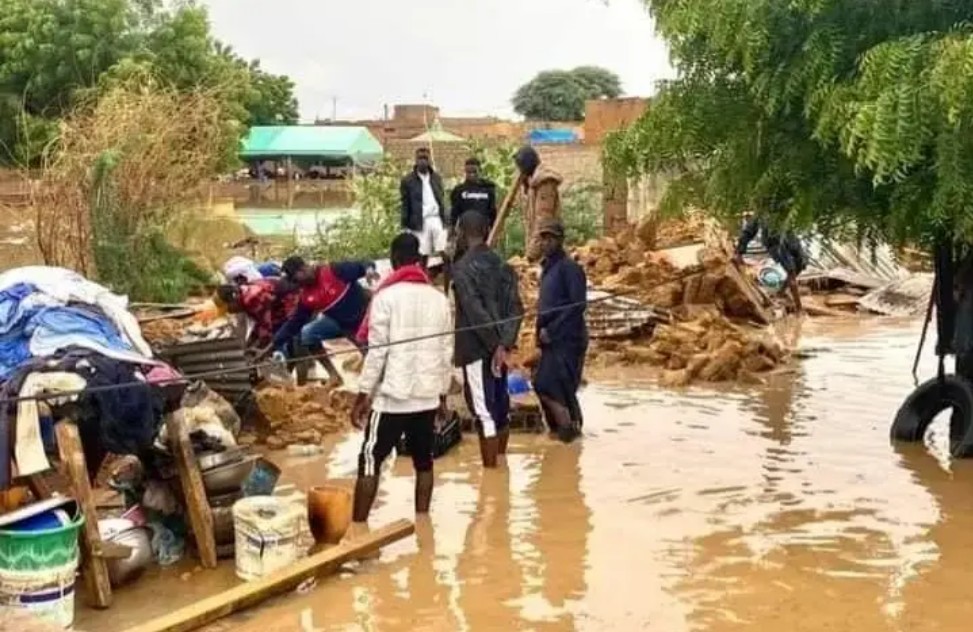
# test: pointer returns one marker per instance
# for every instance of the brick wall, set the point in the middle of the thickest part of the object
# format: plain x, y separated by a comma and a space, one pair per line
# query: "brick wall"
603, 116
576, 163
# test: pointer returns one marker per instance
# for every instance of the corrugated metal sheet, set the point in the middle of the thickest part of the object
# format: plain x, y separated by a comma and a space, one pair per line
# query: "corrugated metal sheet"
610, 316
221, 354
904, 297
829, 256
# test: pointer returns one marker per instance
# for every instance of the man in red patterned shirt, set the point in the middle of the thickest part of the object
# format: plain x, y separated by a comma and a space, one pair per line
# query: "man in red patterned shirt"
267, 302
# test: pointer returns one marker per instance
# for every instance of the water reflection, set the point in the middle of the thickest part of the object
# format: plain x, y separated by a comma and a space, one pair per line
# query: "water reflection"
782, 508
936, 598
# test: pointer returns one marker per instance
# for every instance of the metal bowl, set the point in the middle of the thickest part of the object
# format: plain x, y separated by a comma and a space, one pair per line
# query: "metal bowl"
214, 460
228, 478
125, 570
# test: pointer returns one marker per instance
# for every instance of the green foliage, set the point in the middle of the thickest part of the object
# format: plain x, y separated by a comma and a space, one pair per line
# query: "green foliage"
837, 114
560, 95
271, 100
123, 170
132, 258
56, 53
369, 233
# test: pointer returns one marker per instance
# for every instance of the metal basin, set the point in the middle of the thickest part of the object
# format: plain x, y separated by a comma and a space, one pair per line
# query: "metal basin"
214, 460
227, 479
130, 568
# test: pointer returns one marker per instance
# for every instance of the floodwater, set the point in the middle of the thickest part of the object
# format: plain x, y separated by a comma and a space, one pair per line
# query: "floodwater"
300, 223
780, 508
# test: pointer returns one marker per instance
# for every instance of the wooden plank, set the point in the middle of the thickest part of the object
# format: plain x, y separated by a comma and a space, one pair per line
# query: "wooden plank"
40, 486
197, 505
248, 594
95, 570
504, 211
755, 297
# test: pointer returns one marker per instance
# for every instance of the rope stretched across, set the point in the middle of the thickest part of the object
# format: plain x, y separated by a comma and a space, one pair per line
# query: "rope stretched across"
247, 368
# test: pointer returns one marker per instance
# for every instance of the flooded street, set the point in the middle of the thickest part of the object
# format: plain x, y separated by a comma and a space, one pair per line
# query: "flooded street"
781, 508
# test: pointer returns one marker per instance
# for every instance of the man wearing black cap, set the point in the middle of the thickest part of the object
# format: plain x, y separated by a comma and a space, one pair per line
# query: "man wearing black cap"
562, 333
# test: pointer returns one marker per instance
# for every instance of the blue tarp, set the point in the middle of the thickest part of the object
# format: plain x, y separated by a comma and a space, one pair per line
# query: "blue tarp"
553, 136
28, 325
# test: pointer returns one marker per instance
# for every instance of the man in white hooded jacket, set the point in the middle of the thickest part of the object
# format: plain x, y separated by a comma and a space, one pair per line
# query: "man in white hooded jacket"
403, 385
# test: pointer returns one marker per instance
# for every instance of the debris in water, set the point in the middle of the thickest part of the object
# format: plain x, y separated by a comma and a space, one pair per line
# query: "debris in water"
306, 586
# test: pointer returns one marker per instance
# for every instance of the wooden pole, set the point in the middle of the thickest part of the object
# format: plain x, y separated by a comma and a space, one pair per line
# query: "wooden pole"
197, 505
504, 211
248, 594
94, 569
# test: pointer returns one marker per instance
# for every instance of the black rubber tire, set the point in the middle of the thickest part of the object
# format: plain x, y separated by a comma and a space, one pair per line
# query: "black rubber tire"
929, 400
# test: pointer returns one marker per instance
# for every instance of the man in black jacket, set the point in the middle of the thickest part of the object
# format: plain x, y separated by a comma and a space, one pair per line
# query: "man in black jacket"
488, 316
423, 206
473, 194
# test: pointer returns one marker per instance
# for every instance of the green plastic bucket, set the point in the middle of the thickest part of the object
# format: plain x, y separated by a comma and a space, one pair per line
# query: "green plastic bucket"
38, 570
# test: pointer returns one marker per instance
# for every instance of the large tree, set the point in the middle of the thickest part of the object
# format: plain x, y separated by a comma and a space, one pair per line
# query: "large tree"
559, 95
55, 52
832, 113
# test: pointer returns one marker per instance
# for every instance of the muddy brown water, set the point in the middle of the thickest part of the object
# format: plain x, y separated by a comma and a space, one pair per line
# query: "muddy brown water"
778, 508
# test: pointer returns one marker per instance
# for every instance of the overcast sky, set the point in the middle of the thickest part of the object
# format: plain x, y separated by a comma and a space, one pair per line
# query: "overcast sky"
466, 56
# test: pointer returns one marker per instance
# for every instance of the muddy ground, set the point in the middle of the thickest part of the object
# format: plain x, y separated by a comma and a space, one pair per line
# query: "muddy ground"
778, 507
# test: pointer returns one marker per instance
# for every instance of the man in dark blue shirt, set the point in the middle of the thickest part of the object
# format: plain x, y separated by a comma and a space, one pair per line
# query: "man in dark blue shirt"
561, 333
784, 247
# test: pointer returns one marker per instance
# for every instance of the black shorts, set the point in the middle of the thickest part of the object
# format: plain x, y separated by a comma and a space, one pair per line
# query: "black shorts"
487, 397
382, 434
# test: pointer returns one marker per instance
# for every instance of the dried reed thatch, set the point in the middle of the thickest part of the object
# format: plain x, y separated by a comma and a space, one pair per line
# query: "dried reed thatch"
124, 167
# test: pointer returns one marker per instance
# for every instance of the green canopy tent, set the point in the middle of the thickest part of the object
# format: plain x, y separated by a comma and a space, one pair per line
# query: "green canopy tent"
319, 143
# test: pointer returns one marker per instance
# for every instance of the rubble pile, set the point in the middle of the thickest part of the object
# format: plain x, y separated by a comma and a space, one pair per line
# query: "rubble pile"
301, 414
622, 265
676, 231
163, 333
709, 348
199, 327
705, 302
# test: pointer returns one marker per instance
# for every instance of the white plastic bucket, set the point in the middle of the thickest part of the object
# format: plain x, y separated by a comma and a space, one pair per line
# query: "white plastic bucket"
47, 594
267, 531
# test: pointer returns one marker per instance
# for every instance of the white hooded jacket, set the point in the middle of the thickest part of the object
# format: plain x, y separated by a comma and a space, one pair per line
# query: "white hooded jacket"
409, 377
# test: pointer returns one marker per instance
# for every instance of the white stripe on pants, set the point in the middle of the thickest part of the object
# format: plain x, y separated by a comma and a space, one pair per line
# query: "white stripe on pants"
371, 438
473, 373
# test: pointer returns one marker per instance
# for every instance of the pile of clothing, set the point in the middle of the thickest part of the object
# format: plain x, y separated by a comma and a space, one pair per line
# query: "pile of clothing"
61, 333
45, 310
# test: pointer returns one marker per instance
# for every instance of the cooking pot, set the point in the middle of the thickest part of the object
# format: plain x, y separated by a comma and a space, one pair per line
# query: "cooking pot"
227, 479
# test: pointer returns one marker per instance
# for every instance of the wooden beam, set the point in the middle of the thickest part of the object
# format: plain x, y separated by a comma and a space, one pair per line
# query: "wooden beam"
248, 594
504, 211
94, 569
194, 492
